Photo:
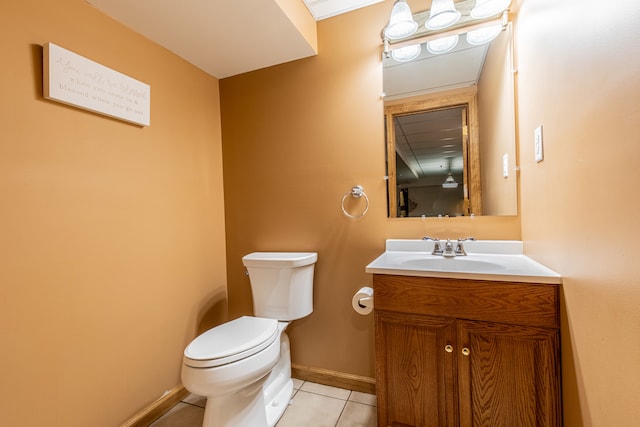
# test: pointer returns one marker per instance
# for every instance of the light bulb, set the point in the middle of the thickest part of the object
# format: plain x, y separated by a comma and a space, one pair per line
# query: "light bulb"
401, 23
443, 14
407, 53
483, 35
488, 8
443, 45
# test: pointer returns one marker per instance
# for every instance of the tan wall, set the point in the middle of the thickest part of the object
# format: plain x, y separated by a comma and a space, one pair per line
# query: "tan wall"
497, 129
110, 232
579, 76
111, 235
296, 137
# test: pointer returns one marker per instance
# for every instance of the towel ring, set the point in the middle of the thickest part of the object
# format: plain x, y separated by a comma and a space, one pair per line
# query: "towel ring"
355, 192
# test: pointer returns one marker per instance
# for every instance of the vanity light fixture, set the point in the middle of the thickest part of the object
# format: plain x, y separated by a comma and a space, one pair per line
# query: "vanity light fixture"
449, 182
406, 53
443, 14
401, 23
488, 8
478, 30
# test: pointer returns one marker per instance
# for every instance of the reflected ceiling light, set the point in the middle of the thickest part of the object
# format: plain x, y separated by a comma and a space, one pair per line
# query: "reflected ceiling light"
443, 14
488, 8
483, 35
449, 182
443, 45
401, 23
407, 53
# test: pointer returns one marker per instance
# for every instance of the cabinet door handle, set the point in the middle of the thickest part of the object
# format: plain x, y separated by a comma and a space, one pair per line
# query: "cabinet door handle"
466, 351
448, 348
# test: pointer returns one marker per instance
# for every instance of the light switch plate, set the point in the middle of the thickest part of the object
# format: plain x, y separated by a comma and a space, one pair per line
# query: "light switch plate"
505, 165
537, 143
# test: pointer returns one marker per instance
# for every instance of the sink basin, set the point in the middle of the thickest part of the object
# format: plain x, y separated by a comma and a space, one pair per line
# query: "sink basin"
486, 260
460, 263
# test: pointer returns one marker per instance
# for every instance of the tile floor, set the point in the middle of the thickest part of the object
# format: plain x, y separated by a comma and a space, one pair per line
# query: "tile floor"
312, 405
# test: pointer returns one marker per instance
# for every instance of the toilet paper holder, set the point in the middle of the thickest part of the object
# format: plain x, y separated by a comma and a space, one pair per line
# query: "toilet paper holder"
365, 302
362, 301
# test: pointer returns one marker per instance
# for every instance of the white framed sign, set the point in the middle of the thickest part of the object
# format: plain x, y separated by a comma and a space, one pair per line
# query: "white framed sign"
74, 80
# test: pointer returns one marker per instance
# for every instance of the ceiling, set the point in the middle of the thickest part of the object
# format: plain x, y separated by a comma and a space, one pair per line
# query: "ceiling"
321, 9
428, 143
430, 73
229, 37
224, 37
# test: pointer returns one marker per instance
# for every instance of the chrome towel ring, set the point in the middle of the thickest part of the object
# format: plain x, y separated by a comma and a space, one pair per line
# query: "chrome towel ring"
355, 192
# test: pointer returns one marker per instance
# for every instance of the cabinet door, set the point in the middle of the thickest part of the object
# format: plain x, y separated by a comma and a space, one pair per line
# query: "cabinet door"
508, 375
415, 370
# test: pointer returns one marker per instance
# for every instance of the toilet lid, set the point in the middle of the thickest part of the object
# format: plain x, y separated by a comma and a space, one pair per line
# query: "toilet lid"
231, 341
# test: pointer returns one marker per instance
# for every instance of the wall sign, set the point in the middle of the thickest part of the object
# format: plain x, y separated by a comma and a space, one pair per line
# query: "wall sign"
74, 80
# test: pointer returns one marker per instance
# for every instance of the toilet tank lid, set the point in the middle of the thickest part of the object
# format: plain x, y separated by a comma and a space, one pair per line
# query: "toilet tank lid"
279, 259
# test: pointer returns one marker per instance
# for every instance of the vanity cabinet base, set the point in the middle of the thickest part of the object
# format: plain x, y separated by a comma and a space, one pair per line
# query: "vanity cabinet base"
448, 371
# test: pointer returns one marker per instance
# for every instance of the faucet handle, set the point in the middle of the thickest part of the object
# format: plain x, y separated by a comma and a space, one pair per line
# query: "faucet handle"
460, 247
437, 248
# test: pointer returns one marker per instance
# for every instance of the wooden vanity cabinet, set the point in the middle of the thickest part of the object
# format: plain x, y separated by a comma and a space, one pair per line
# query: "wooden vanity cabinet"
466, 353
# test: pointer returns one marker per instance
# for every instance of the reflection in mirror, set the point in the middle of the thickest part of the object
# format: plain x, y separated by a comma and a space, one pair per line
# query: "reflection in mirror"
432, 156
428, 144
452, 114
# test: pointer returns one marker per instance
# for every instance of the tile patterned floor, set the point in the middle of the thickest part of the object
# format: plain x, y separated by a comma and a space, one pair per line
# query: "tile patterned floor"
312, 405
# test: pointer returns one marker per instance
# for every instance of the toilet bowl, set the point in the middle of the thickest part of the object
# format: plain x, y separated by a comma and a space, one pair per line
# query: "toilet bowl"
243, 367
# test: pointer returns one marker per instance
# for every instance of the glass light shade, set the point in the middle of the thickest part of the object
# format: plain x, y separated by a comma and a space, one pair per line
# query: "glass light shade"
487, 8
443, 14
407, 53
401, 23
443, 45
449, 182
483, 35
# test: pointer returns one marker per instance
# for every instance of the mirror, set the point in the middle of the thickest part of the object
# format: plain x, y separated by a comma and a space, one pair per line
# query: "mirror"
450, 119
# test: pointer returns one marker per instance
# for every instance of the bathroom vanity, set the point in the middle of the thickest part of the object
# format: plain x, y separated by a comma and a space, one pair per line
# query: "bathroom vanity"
466, 343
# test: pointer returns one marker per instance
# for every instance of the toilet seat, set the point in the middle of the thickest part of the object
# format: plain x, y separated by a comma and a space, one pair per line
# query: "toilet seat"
231, 341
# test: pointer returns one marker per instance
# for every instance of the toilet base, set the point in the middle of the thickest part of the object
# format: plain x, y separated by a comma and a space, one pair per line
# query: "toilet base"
245, 408
278, 388
278, 404
261, 404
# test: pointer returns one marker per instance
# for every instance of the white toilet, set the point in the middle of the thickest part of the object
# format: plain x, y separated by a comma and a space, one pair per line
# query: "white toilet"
243, 367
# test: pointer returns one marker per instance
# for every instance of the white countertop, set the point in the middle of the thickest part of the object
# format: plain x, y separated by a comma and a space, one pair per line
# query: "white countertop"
497, 260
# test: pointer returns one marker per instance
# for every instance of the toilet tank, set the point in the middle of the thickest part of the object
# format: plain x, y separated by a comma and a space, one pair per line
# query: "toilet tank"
281, 283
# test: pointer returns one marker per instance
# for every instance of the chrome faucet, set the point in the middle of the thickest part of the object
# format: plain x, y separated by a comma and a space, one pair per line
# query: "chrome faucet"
460, 247
448, 250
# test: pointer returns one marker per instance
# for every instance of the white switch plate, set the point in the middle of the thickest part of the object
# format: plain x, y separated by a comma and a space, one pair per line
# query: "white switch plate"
505, 165
537, 143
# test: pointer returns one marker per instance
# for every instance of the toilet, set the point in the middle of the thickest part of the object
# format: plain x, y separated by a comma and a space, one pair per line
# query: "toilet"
243, 367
